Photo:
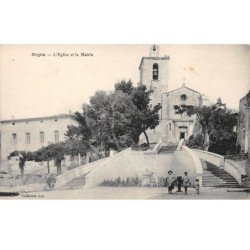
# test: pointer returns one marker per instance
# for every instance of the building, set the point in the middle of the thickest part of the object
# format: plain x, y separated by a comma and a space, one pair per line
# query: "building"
243, 123
30, 134
154, 74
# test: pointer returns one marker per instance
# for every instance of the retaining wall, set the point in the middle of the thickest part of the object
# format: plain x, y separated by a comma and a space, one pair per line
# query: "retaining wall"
130, 164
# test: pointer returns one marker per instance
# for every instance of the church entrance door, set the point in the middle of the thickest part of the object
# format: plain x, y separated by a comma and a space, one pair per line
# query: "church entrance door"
182, 135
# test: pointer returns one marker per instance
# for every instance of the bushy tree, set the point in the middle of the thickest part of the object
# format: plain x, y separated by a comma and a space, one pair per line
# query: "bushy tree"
54, 152
114, 119
217, 126
23, 156
147, 117
196, 141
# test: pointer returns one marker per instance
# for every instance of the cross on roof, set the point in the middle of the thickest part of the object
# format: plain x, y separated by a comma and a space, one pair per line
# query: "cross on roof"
183, 84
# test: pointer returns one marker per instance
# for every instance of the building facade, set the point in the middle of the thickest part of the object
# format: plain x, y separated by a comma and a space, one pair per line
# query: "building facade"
31, 134
243, 123
154, 74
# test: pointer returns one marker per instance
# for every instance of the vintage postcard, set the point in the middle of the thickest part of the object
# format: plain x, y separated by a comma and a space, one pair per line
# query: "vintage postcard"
148, 121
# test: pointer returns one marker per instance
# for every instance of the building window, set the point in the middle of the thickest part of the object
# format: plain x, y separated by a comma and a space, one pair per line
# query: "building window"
155, 71
41, 137
183, 97
14, 138
56, 136
28, 138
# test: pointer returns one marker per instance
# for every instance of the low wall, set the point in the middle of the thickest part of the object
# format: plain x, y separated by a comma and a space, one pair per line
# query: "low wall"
218, 160
130, 164
197, 163
235, 170
134, 164
31, 167
78, 172
179, 147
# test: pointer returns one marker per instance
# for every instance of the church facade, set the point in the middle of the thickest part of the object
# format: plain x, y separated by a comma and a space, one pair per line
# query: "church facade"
154, 74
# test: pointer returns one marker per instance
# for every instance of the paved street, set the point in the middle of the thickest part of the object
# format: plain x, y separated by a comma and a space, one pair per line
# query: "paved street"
135, 193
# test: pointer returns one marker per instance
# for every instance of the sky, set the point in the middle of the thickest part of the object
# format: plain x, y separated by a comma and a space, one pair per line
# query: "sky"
32, 86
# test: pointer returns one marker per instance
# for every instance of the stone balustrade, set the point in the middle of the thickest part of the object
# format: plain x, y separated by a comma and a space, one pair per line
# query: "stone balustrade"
215, 159
197, 162
218, 160
77, 172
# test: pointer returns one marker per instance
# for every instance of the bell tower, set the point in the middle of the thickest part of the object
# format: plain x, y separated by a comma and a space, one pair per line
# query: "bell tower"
154, 73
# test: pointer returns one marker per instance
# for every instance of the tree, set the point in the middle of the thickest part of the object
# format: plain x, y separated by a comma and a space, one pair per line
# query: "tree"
110, 116
23, 157
196, 141
44, 154
113, 119
55, 151
147, 117
217, 124
78, 138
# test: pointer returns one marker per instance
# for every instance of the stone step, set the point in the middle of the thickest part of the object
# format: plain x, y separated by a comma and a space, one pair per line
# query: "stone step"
217, 177
74, 184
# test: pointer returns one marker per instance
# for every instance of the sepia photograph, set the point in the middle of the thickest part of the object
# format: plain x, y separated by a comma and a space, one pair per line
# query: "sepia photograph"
142, 121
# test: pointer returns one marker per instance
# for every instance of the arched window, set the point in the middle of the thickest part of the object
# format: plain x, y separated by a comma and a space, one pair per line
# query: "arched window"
183, 97
155, 71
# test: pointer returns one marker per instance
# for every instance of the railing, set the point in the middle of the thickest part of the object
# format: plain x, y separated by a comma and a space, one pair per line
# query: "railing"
157, 147
180, 144
155, 150
218, 160
235, 170
197, 162
76, 172
83, 170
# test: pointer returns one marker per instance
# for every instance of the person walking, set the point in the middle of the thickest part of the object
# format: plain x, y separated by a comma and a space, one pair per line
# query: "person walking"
186, 182
197, 186
170, 181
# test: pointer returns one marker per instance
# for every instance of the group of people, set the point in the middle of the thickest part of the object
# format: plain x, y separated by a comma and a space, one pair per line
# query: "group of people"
184, 181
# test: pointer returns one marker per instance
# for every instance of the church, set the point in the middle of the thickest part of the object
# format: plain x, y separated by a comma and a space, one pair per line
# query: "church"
154, 74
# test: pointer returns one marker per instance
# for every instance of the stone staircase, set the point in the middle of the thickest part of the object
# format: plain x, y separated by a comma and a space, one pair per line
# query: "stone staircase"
214, 176
170, 148
76, 183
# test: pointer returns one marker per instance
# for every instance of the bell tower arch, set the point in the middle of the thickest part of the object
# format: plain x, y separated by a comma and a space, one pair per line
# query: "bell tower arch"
154, 73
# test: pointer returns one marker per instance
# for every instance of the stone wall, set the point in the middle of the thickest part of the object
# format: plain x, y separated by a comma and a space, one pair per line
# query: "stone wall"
243, 124
130, 164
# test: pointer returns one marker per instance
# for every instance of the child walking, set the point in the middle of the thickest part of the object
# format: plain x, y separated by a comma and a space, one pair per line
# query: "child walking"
197, 186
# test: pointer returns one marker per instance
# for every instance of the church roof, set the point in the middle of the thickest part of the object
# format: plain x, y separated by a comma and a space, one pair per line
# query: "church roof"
154, 58
185, 88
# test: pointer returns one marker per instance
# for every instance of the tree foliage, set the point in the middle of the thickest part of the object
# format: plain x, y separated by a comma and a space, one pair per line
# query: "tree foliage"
217, 127
146, 117
54, 151
113, 119
23, 156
